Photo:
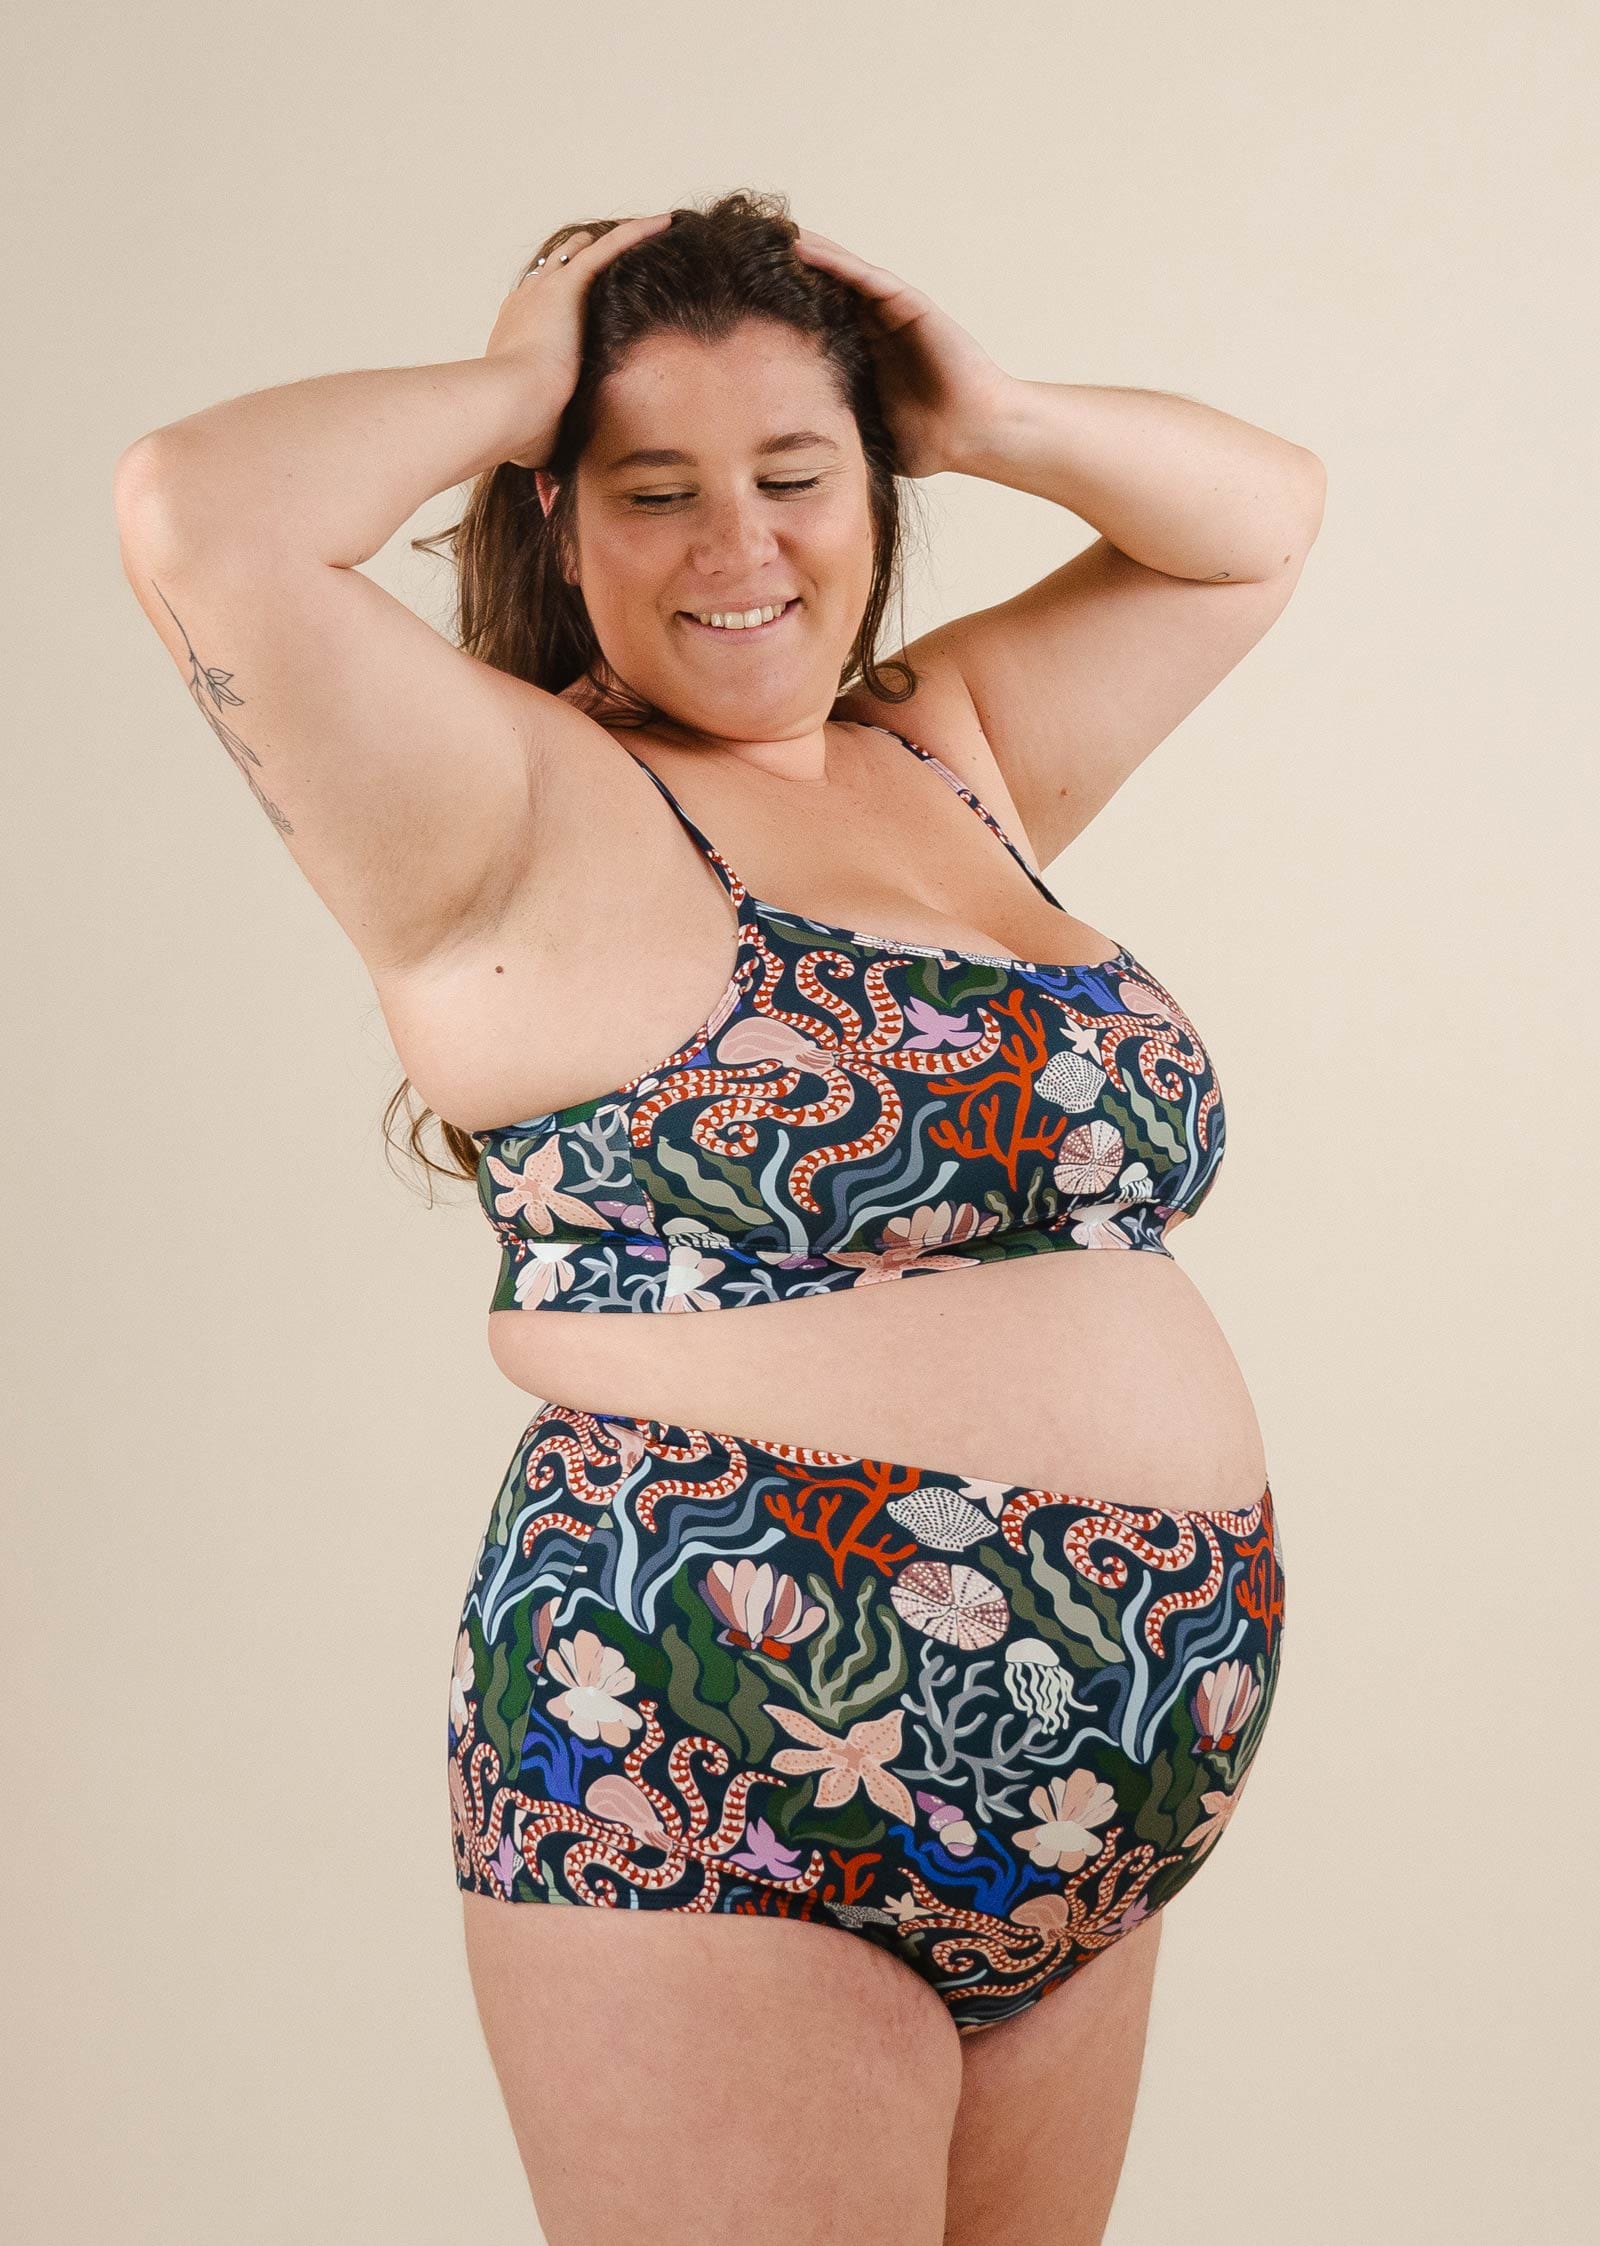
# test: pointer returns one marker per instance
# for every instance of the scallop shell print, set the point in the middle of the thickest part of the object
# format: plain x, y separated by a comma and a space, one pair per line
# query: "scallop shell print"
1071, 1081
940, 1518
948, 1600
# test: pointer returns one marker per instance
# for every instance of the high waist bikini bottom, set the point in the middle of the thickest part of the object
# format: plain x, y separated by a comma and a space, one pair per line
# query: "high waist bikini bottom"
990, 1728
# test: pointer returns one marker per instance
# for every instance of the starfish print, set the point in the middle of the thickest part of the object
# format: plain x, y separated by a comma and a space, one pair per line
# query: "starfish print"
936, 1031
534, 1191
857, 1759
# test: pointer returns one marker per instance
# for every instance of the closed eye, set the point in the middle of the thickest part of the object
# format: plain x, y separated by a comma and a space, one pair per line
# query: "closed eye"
666, 498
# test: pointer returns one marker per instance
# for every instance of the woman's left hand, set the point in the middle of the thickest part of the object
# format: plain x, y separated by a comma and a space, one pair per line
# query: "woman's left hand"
941, 391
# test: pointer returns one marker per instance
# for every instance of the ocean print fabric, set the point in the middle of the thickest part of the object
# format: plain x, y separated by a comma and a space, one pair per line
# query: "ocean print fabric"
855, 1111
990, 1728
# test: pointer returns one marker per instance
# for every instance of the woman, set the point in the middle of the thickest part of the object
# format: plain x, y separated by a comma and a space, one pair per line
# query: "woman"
873, 1670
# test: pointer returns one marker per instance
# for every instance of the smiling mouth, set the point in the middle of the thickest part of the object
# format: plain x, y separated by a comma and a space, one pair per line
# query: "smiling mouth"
736, 631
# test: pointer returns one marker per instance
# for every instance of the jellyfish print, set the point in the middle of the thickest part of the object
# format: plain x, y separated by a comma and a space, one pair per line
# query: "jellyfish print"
1039, 1684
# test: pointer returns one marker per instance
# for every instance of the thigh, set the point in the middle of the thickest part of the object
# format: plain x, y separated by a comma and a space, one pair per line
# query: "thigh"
1047, 2103
782, 1724
700, 2080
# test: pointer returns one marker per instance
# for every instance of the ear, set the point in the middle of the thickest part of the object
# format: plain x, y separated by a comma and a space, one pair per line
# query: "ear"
547, 487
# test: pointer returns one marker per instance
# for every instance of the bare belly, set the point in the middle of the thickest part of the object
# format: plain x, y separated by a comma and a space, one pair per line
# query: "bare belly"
1101, 1374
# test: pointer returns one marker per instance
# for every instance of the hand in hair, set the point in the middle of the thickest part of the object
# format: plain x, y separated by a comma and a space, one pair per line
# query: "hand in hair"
541, 321
940, 390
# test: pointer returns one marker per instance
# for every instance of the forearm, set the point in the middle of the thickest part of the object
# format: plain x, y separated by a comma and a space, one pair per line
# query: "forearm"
330, 466
1175, 484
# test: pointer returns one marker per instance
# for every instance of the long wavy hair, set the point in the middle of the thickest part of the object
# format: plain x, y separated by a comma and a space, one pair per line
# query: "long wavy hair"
700, 276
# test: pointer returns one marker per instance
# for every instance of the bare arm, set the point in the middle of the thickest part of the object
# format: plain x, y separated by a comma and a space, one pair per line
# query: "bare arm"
400, 772
329, 468
1205, 525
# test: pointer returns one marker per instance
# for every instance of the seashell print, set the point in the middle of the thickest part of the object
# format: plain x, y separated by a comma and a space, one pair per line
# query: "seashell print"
940, 1518
1038, 1684
1090, 1157
759, 1606
1222, 1704
1038, 1796
1070, 1080
948, 1225
544, 1621
959, 1605
685, 1281
955, 1832
756, 1038
1068, 1809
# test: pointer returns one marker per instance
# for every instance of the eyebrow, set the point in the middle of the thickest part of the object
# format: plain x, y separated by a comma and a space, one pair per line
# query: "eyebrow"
793, 440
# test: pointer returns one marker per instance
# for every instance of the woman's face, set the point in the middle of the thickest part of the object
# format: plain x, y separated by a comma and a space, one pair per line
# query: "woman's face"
764, 500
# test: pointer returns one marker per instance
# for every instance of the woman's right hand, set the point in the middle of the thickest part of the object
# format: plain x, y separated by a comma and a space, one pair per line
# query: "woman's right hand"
540, 324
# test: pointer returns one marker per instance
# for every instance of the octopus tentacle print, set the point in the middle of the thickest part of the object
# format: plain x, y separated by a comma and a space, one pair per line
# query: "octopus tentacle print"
990, 1728
859, 1109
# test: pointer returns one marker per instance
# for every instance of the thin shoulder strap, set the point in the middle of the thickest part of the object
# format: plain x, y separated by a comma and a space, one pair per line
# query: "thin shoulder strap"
990, 821
708, 850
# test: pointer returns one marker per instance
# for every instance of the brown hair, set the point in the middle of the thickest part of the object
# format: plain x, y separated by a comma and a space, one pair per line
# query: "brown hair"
700, 276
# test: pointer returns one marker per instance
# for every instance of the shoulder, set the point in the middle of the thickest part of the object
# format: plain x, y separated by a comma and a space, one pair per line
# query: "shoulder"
939, 715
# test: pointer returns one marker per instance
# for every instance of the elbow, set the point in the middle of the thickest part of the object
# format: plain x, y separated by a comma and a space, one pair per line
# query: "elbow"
1305, 495
168, 503
1313, 497
135, 477
145, 491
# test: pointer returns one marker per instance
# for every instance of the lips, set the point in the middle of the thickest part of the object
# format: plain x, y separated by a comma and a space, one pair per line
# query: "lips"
748, 632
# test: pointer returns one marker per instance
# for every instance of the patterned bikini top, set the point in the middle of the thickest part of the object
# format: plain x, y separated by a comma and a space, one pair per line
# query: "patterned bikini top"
857, 1109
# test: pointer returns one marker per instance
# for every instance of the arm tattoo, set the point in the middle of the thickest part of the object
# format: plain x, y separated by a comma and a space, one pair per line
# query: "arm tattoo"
212, 693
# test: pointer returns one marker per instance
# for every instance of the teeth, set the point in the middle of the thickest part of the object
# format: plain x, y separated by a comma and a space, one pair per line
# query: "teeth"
737, 620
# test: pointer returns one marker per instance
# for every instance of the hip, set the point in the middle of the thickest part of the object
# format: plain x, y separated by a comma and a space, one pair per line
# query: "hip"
733, 1672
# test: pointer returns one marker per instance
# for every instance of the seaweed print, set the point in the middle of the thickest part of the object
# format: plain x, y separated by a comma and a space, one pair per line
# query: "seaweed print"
858, 1110
990, 1728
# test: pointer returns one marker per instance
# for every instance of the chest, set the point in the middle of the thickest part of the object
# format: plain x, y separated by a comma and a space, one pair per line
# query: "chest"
849, 1112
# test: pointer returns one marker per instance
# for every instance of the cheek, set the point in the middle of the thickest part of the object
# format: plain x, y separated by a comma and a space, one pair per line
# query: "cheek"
840, 556
850, 540
624, 576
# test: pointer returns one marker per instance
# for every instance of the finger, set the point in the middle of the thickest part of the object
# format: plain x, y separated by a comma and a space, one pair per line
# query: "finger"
627, 231
825, 247
874, 280
624, 233
612, 240
557, 259
819, 247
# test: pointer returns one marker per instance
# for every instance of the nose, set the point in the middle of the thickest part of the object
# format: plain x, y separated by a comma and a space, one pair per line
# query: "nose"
734, 537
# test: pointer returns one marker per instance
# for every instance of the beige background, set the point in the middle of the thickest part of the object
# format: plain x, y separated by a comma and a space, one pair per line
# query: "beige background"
256, 1432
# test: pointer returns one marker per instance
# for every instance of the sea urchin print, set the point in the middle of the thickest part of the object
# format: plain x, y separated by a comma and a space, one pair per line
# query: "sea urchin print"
790, 1682
951, 1601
